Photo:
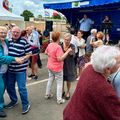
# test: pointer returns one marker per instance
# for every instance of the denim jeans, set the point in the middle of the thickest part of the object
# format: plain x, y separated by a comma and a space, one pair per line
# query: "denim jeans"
59, 79
5, 77
20, 78
1, 91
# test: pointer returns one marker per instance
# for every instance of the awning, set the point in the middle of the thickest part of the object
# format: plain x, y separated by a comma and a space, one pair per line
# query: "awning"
79, 4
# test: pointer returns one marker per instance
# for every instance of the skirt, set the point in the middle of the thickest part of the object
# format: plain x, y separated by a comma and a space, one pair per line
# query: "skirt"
81, 61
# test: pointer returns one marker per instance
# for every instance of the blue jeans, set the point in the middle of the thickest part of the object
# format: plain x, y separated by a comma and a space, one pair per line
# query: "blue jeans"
1, 91
20, 78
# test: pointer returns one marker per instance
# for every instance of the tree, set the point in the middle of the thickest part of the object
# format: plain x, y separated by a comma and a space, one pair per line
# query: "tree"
27, 14
39, 16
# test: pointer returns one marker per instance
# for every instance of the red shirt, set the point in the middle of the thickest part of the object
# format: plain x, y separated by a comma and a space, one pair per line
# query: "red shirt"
93, 99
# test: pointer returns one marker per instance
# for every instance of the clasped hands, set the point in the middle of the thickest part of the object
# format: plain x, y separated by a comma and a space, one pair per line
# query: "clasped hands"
20, 60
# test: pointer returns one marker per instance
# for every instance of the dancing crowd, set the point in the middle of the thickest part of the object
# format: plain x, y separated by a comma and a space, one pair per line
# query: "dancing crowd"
83, 56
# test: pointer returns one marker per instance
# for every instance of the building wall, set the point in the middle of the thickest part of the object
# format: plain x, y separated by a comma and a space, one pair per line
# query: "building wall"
57, 26
21, 24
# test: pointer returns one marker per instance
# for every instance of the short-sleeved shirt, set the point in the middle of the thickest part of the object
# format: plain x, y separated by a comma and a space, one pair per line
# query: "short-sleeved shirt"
81, 50
75, 42
85, 24
89, 47
53, 51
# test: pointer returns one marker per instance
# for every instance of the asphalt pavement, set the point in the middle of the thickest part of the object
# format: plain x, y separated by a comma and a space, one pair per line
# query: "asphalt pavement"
41, 109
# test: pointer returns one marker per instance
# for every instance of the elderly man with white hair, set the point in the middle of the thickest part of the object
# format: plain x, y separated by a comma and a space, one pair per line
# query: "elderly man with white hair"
94, 97
89, 47
18, 47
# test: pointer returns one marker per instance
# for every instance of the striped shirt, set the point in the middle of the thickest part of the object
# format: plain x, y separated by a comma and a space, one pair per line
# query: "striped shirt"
19, 49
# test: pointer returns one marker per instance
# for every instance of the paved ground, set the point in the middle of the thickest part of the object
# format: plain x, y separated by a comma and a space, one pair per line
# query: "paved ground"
41, 109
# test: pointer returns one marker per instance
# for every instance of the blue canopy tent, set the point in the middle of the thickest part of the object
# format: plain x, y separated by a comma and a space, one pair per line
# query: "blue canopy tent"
95, 9
90, 3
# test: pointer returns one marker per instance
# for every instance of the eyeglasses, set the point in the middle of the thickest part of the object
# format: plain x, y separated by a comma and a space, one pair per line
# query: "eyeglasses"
3, 33
15, 32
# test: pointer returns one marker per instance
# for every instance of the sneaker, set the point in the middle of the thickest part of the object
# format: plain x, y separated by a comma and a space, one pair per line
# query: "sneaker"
49, 96
26, 109
11, 105
2, 114
35, 77
30, 76
61, 101
77, 78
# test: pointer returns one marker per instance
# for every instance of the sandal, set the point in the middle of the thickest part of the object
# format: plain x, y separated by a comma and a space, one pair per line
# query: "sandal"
67, 96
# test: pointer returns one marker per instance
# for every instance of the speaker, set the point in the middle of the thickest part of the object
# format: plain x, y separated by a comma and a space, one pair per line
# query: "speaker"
49, 26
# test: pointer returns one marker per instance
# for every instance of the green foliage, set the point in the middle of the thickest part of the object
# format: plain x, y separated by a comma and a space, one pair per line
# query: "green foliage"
39, 16
27, 14
56, 17
76, 3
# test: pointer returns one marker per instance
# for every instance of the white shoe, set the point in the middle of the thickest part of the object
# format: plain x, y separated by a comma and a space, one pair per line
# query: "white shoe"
61, 101
77, 78
48, 96
28, 78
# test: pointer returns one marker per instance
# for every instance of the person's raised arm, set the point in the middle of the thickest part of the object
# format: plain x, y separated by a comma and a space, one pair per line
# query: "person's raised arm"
61, 58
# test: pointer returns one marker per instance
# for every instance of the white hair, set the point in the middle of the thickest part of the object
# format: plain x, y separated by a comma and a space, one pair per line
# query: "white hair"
93, 31
16, 27
3, 28
104, 57
67, 35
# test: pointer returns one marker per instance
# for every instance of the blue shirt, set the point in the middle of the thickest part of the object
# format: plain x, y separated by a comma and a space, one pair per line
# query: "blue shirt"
115, 80
89, 48
85, 24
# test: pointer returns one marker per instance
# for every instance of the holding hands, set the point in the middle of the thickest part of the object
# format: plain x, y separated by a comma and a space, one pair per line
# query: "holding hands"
70, 51
19, 60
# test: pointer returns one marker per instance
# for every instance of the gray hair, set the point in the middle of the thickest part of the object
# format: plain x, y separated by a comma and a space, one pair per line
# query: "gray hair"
104, 57
67, 35
3, 28
16, 27
93, 31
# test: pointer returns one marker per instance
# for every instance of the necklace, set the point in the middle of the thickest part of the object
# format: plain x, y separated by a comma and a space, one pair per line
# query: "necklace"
65, 47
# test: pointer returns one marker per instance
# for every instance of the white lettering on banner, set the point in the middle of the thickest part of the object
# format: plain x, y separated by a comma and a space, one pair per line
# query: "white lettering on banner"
78, 4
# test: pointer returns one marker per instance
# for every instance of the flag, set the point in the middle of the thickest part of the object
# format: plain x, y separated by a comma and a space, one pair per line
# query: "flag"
47, 14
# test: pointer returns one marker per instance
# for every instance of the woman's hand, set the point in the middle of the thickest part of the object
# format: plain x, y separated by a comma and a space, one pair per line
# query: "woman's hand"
69, 50
19, 60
